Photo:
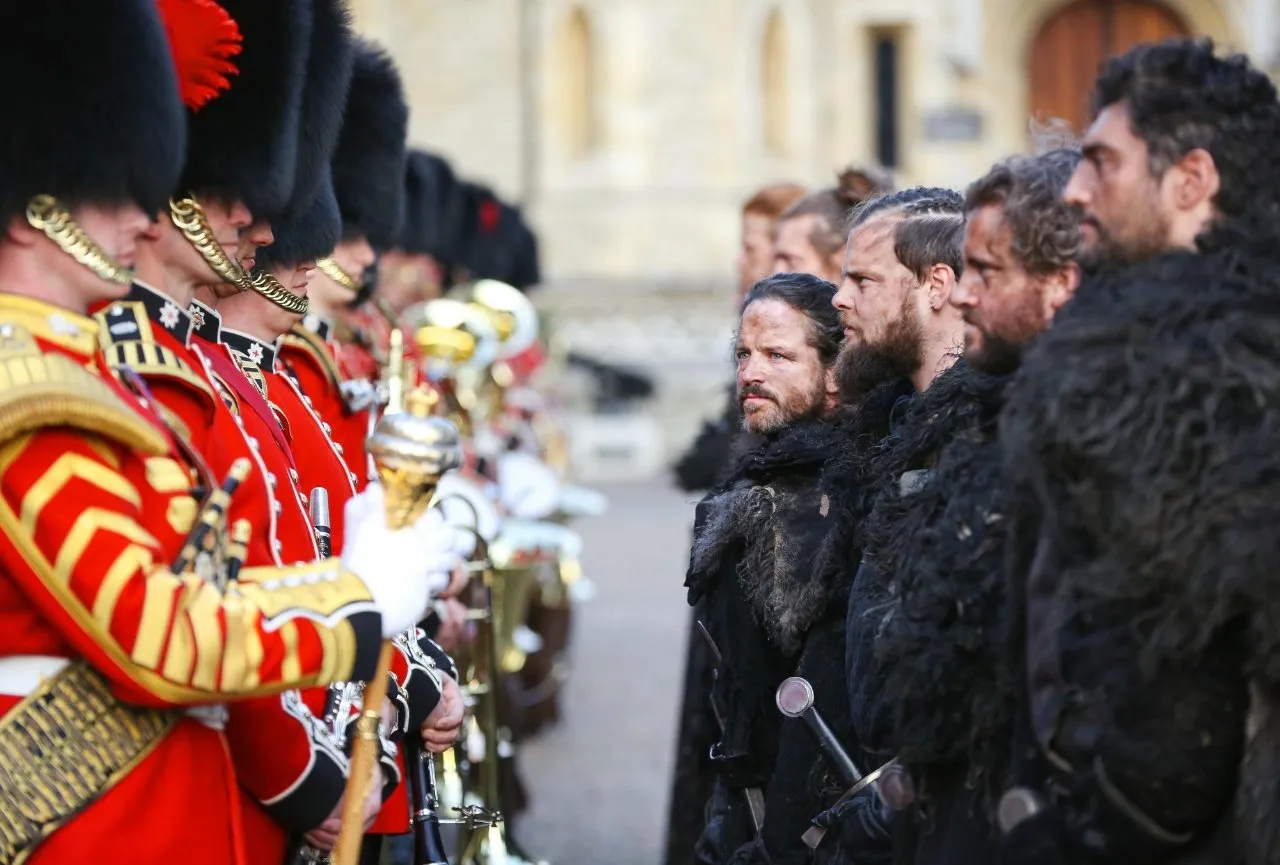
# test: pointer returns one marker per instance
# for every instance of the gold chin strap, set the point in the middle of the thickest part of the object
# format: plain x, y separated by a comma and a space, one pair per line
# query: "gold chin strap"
188, 215
45, 214
269, 287
330, 268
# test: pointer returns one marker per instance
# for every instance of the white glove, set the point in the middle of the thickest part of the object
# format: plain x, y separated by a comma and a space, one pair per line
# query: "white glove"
528, 487
401, 568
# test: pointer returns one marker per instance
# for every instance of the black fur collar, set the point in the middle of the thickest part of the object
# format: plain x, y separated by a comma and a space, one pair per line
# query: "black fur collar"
763, 526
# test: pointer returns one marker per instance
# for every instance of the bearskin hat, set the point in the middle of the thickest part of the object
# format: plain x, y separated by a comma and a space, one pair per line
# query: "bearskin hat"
109, 127
324, 100
437, 209
368, 168
312, 232
243, 144
310, 225
499, 244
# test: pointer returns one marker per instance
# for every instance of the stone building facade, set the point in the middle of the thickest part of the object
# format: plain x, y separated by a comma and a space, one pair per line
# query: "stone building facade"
631, 130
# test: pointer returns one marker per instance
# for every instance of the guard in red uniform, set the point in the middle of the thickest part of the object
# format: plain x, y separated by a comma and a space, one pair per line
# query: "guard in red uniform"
287, 762
339, 377
108, 631
252, 326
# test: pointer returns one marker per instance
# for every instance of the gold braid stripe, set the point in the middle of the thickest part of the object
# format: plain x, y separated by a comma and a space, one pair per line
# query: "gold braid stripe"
45, 214
188, 216
61, 748
269, 287
331, 269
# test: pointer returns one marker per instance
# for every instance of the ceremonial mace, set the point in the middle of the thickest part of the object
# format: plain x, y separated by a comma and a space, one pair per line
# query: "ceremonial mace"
411, 451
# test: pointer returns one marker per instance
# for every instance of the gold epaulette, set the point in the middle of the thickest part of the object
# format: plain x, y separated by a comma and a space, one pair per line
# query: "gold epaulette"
306, 341
141, 352
39, 389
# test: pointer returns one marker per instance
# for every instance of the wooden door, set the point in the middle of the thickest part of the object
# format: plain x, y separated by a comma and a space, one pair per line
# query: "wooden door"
1073, 42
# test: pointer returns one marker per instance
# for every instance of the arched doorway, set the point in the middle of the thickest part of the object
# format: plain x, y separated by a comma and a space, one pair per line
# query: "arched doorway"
1073, 42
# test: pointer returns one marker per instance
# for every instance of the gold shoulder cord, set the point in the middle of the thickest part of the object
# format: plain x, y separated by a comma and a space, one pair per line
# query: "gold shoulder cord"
331, 269
269, 287
44, 213
188, 216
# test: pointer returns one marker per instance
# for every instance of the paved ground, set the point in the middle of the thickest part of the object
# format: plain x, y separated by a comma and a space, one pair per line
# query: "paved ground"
599, 781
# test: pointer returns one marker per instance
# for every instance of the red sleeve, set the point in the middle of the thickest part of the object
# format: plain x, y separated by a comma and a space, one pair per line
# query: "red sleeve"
286, 759
79, 519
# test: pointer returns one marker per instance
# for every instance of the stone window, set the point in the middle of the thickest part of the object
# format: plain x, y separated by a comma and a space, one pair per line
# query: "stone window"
775, 85
573, 96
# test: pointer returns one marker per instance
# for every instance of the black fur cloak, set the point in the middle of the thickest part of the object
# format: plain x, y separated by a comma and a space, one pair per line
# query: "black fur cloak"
1142, 432
772, 615
926, 670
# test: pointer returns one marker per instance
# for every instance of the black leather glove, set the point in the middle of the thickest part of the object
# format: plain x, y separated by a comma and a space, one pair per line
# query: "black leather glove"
861, 829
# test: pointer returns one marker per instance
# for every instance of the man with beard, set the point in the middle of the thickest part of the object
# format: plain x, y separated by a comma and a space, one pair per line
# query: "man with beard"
1139, 442
750, 570
902, 263
707, 462
929, 669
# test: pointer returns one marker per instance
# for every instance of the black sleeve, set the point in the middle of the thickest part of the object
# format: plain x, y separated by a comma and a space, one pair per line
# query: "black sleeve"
870, 722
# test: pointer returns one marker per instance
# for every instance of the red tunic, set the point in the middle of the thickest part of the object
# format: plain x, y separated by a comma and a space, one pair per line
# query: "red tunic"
93, 507
310, 359
281, 754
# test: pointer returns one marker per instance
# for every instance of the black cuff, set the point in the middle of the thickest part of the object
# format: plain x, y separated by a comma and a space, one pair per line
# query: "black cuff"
368, 631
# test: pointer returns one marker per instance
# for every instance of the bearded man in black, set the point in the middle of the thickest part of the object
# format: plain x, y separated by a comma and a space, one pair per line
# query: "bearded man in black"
748, 562
1140, 440
927, 654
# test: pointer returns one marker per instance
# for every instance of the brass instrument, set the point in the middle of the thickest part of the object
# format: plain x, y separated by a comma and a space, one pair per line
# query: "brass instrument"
457, 343
491, 844
411, 451
515, 321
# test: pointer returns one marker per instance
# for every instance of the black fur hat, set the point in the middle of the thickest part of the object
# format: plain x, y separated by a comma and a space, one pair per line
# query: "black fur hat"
109, 126
499, 244
437, 209
310, 225
243, 144
311, 233
368, 169
324, 100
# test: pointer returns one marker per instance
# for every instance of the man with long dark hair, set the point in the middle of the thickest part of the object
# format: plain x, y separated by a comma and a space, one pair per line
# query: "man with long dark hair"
749, 565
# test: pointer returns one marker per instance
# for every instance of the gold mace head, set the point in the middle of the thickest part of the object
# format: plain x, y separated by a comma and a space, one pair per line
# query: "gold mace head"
412, 450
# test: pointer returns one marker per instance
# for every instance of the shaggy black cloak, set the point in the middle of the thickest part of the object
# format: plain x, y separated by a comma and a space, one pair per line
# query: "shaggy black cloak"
773, 614
1142, 432
709, 461
926, 678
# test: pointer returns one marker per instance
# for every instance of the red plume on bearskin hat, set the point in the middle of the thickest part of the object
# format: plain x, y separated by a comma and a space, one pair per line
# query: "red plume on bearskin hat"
311, 226
108, 127
368, 169
203, 38
243, 144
